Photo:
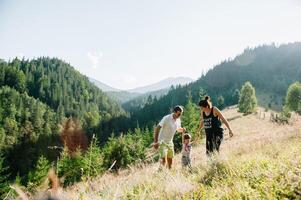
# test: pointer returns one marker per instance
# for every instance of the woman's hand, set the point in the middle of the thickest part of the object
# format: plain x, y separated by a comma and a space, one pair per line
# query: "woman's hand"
230, 133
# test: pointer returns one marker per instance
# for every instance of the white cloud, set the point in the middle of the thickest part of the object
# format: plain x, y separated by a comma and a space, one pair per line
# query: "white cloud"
95, 58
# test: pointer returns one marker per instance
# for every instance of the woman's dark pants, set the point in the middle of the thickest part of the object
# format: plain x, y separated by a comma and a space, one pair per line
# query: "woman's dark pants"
213, 141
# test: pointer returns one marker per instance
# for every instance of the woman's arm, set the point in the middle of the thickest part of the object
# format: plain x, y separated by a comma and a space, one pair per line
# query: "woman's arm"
224, 120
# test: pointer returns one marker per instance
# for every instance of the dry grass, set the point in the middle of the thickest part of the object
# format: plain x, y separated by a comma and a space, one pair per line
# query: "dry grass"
261, 161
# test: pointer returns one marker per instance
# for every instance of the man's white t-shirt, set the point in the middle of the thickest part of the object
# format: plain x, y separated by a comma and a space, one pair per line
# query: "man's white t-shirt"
168, 128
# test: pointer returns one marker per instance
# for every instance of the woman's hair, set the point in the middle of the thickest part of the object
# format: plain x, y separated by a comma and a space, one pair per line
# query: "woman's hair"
206, 103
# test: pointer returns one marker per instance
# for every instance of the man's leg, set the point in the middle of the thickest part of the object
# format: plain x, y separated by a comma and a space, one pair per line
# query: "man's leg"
163, 155
163, 161
169, 162
170, 155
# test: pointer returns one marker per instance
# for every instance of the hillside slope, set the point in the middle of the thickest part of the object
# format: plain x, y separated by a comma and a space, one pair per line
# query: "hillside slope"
262, 161
269, 68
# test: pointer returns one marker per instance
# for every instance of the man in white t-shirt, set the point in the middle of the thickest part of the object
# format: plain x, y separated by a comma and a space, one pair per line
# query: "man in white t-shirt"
164, 133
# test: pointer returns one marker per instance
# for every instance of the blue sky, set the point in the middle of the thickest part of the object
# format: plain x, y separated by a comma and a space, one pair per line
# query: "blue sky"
127, 44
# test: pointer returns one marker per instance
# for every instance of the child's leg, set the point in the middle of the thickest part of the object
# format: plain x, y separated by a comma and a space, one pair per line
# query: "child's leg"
185, 161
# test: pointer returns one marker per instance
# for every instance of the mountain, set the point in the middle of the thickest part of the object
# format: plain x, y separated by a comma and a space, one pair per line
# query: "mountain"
102, 86
139, 95
166, 83
123, 96
36, 98
140, 100
269, 68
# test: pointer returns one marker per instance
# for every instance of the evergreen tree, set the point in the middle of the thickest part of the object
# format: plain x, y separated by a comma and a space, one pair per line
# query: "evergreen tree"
4, 185
123, 150
191, 118
247, 101
293, 97
235, 96
220, 102
70, 166
93, 160
38, 175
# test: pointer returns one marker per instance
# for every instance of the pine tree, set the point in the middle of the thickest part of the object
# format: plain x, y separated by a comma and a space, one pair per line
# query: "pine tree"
293, 97
38, 175
190, 119
70, 167
92, 160
247, 101
4, 186
220, 102
235, 96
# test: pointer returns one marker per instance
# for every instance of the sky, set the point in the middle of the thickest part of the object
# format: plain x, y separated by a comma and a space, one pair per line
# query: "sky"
132, 43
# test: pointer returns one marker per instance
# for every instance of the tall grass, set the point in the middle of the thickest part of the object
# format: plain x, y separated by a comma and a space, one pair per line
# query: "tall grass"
262, 161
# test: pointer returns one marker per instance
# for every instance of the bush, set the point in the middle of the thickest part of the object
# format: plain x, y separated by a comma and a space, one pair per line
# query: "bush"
70, 167
124, 150
80, 166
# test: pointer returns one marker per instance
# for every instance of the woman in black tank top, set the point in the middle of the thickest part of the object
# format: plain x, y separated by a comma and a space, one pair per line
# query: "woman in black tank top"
211, 118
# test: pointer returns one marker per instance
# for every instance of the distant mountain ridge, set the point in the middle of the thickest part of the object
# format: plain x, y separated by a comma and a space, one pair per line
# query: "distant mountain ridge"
165, 83
140, 94
104, 87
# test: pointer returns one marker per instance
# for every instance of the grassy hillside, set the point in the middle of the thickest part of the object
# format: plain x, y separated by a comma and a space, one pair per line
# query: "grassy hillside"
262, 161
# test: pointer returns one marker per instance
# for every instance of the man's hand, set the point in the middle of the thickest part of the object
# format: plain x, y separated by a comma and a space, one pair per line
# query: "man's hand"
181, 130
156, 145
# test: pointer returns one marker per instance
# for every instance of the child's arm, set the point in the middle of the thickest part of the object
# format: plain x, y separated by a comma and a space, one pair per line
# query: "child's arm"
201, 123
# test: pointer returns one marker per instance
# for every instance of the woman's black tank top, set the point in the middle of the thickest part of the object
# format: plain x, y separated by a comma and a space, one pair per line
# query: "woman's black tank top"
211, 122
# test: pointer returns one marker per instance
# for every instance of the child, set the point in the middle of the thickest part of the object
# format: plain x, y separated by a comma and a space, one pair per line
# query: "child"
186, 150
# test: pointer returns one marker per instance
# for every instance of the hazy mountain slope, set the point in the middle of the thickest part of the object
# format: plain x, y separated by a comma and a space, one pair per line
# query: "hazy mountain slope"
138, 96
104, 87
166, 83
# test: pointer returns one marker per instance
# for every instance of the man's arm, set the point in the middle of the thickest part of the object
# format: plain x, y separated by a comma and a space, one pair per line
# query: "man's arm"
157, 131
156, 135
180, 129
